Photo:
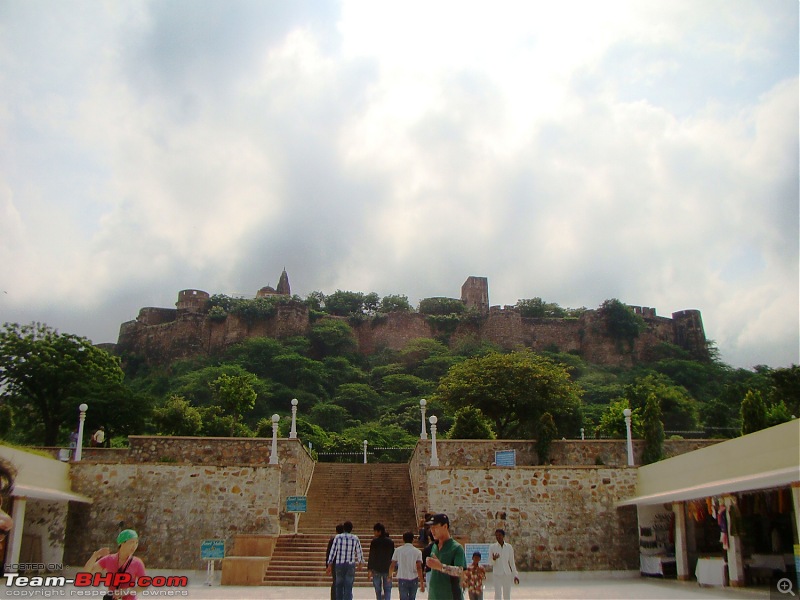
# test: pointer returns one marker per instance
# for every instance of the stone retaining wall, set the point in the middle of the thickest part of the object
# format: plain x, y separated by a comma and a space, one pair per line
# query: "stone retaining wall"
172, 507
557, 518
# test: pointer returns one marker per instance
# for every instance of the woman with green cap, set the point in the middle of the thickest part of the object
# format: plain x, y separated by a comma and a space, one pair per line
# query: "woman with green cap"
122, 561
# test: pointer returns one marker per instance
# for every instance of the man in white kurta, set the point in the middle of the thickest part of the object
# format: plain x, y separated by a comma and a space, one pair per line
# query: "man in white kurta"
504, 568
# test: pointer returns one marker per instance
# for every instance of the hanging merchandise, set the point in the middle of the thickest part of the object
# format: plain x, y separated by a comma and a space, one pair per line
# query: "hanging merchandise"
722, 521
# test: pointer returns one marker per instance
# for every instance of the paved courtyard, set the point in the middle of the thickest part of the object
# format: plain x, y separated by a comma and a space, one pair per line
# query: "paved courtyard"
533, 586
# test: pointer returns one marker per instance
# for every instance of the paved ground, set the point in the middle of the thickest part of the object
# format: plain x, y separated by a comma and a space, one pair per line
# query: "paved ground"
533, 586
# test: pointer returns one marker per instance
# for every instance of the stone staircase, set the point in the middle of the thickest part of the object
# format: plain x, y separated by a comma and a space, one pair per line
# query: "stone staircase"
363, 494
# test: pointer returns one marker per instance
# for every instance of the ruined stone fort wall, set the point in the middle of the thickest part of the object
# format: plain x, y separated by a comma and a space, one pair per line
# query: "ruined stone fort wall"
163, 335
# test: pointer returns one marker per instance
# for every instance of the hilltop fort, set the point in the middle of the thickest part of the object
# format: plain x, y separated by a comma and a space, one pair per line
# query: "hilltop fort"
193, 328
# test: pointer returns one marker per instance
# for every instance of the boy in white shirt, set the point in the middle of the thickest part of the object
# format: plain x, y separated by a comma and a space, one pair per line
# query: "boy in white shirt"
407, 562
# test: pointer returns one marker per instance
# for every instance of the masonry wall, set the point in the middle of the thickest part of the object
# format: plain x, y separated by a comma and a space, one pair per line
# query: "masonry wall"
557, 518
172, 507
177, 491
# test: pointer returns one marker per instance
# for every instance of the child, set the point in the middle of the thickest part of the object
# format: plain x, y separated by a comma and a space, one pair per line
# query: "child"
475, 574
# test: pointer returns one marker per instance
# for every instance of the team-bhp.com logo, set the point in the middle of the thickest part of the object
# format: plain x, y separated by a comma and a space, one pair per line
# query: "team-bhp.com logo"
90, 584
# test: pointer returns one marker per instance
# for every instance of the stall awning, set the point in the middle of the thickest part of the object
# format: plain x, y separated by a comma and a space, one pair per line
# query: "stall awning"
759, 481
23, 490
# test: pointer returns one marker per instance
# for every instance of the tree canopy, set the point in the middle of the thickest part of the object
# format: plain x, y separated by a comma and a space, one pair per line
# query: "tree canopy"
45, 375
513, 391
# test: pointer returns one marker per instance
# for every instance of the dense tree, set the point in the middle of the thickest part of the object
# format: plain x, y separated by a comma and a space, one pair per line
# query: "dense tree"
177, 417
360, 400
469, 423
235, 395
513, 391
622, 323
441, 306
394, 303
678, 408
45, 375
653, 431
754, 413
345, 304
546, 431
538, 308
612, 422
330, 417
332, 337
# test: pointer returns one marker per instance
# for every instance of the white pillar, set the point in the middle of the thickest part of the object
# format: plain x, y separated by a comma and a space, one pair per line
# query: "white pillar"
81, 418
582, 434
15, 535
681, 551
627, 413
273, 458
735, 558
434, 455
293, 431
423, 435
365, 451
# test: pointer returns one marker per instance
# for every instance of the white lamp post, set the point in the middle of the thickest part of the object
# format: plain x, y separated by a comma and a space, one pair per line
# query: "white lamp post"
434, 455
582, 434
365, 451
627, 413
273, 458
81, 418
423, 435
293, 431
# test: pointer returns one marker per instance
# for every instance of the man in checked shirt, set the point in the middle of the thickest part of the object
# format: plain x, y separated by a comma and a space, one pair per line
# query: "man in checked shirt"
345, 555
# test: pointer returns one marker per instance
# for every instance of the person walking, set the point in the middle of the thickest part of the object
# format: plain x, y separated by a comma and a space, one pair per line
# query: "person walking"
345, 555
339, 529
504, 566
122, 561
475, 575
407, 563
447, 561
99, 437
381, 549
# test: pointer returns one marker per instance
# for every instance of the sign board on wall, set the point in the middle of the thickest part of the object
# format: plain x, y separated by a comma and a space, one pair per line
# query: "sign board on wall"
505, 458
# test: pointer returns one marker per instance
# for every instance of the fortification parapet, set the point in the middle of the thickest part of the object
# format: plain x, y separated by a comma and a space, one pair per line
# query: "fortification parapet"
192, 301
644, 311
156, 316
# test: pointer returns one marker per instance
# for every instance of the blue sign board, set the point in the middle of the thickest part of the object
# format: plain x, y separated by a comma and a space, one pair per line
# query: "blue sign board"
296, 504
505, 458
470, 549
212, 550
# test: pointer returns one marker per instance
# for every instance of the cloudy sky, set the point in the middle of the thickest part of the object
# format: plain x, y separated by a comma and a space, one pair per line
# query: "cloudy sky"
573, 150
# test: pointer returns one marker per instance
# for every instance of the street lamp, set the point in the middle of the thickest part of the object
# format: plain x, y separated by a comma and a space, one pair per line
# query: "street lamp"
627, 413
293, 431
434, 454
273, 458
81, 418
365, 451
423, 435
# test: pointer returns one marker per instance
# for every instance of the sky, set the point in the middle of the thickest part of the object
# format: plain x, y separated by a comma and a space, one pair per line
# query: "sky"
575, 151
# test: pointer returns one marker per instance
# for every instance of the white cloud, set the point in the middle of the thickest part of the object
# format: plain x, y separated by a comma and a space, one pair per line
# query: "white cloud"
574, 151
